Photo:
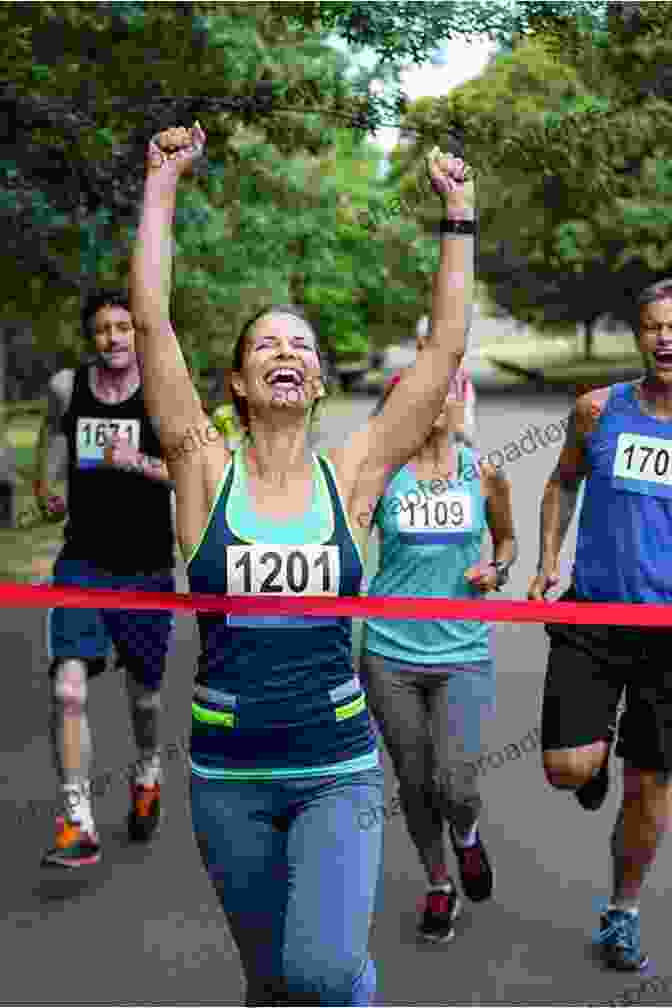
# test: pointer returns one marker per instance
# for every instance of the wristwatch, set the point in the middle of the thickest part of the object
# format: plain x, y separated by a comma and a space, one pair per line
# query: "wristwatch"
502, 571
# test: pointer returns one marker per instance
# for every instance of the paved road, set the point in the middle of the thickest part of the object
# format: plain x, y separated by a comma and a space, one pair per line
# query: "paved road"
143, 927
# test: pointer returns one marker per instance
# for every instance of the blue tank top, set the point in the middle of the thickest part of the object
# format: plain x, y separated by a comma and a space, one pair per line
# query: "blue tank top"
623, 549
277, 696
430, 533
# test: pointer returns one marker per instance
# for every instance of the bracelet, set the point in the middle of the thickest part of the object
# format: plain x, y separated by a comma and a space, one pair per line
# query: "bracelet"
457, 227
502, 570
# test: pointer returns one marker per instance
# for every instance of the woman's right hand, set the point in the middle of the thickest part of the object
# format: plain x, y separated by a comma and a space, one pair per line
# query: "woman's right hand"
542, 583
172, 153
450, 178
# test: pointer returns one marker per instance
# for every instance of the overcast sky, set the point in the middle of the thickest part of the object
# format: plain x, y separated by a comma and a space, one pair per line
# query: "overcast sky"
459, 62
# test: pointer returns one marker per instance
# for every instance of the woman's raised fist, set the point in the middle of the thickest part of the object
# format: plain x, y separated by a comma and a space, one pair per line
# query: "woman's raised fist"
174, 151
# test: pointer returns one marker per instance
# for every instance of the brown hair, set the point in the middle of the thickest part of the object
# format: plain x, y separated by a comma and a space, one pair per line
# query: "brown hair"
239, 402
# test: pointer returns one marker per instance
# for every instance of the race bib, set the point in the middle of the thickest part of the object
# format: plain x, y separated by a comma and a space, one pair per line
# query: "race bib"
643, 465
282, 570
442, 515
93, 435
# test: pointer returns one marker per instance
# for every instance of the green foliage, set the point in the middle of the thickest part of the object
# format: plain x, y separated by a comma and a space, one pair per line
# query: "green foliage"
572, 156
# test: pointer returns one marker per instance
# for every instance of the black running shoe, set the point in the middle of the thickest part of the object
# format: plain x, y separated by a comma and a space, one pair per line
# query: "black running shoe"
475, 871
441, 910
591, 795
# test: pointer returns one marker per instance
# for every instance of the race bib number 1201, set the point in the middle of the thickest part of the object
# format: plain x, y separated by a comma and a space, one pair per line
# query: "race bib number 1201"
93, 435
282, 570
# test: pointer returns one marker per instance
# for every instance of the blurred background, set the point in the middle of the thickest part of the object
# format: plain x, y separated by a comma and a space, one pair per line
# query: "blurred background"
318, 116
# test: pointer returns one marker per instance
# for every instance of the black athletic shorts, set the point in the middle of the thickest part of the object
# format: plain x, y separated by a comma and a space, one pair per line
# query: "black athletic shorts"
589, 667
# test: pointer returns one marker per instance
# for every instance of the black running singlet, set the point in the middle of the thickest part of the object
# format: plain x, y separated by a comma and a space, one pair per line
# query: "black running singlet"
118, 521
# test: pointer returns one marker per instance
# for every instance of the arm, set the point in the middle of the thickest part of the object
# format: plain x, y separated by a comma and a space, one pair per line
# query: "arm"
562, 491
50, 450
394, 436
169, 393
121, 455
500, 523
171, 398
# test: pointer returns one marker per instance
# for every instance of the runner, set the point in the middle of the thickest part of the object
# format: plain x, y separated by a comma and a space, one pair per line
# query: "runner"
462, 392
431, 685
619, 441
283, 757
119, 535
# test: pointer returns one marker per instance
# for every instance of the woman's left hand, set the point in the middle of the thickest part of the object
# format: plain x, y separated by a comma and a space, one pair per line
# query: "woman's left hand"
482, 577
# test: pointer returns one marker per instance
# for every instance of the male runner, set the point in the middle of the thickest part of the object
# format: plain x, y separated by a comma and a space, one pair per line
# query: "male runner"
620, 441
119, 535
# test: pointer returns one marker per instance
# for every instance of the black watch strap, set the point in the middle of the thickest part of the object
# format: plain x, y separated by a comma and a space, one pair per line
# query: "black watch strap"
457, 227
502, 571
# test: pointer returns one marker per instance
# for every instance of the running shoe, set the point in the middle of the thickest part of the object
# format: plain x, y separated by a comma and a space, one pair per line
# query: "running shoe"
475, 871
591, 795
620, 939
145, 813
75, 847
442, 908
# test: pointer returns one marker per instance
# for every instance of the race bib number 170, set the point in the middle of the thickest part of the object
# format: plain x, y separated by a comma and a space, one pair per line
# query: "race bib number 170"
93, 435
643, 465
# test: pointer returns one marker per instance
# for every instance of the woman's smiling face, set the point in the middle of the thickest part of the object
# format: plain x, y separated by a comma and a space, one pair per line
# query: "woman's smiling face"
281, 365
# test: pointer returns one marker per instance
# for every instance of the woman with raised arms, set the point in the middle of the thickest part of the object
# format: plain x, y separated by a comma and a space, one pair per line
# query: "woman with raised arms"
282, 753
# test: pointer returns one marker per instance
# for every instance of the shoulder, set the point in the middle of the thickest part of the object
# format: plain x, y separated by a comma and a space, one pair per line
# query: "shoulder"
589, 408
60, 388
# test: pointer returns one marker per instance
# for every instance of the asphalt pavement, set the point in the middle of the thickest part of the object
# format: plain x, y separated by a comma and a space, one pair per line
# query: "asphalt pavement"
143, 927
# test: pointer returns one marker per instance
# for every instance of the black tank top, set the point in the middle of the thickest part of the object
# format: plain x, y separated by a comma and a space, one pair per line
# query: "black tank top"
118, 521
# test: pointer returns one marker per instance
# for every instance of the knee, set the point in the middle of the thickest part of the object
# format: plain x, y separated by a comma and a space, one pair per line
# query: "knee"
70, 687
149, 700
321, 982
568, 769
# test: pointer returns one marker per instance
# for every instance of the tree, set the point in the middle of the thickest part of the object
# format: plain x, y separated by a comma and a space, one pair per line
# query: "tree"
581, 145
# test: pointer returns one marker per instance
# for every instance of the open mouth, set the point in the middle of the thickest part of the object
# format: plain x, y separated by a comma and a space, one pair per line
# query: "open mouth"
285, 377
663, 359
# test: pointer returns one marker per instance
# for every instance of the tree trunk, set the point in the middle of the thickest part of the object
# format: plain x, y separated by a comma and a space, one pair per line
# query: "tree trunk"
589, 339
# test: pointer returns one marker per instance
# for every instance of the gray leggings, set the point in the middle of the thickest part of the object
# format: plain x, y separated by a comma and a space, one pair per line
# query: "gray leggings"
431, 718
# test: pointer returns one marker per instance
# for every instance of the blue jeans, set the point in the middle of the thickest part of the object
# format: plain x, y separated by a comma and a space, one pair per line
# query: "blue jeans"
296, 877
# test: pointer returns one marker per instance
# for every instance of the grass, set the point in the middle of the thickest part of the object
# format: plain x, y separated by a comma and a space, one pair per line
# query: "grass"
27, 553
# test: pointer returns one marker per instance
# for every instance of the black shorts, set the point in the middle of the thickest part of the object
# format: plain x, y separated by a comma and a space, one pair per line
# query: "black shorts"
589, 667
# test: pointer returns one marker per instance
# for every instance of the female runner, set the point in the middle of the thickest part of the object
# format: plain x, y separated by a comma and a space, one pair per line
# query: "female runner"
431, 685
283, 758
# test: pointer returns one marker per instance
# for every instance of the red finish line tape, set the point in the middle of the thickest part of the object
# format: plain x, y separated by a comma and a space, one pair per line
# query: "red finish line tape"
17, 596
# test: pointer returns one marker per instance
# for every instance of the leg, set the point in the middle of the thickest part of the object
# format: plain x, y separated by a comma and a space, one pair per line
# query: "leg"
76, 841
243, 847
141, 639
70, 734
645, 817
576, 737
333, 869
462, 701
400, 709
646, 747
77, 645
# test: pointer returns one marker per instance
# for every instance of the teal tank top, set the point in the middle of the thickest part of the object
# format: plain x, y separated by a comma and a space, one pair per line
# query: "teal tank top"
277, 696
430, 533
